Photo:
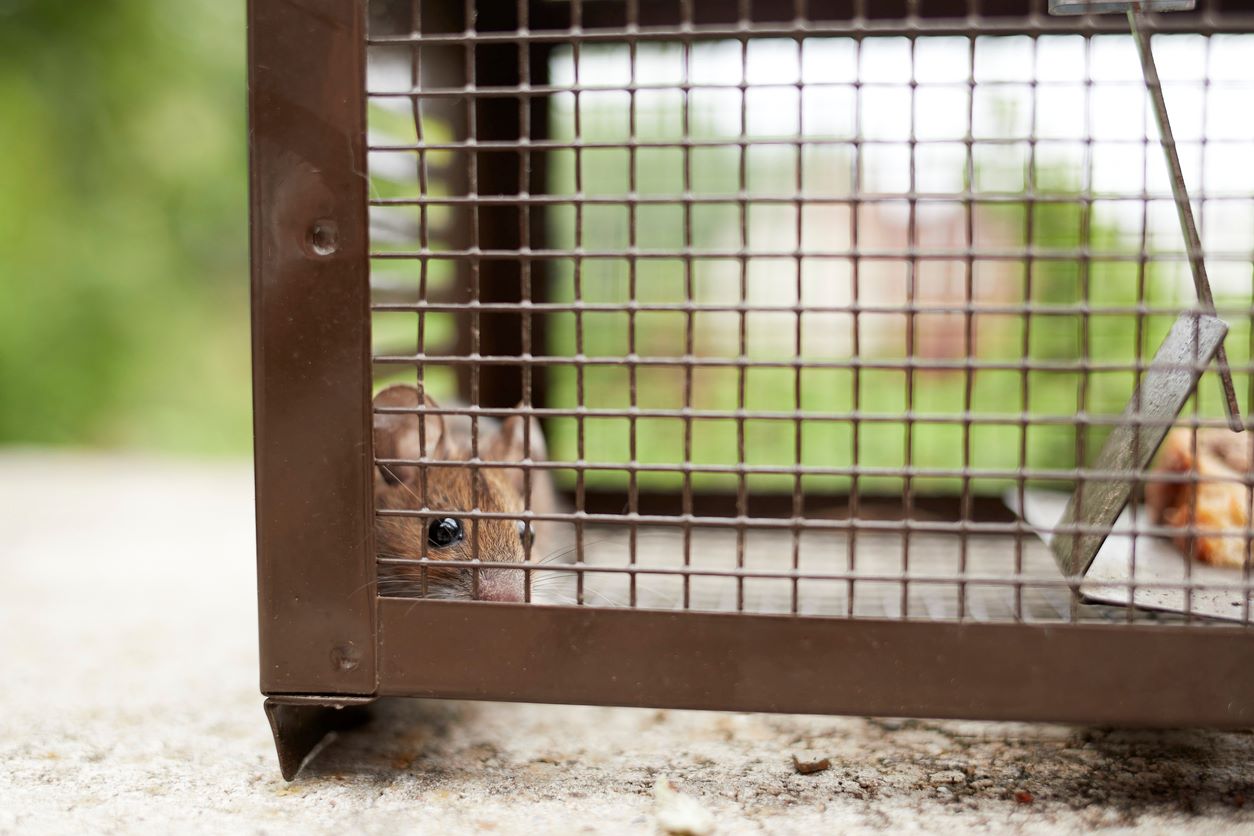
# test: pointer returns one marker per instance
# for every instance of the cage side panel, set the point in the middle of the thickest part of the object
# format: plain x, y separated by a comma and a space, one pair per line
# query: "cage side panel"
1131, 676
311, 343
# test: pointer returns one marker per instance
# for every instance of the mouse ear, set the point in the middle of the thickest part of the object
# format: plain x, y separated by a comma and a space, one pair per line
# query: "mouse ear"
405, 435
509, 444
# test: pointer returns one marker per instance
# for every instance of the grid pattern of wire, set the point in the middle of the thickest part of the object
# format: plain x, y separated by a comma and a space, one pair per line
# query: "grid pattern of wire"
806, 306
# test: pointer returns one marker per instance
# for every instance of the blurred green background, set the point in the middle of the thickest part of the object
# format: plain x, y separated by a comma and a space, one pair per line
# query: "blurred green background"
123, 225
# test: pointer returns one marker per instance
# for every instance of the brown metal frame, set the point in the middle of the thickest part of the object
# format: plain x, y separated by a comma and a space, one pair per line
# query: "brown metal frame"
311, 346
1118, 674
327, 641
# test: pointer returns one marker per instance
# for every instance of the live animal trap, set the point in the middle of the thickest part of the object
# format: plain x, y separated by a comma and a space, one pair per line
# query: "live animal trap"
715, 348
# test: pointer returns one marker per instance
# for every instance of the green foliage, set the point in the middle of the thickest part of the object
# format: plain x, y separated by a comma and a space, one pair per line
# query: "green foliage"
123, 220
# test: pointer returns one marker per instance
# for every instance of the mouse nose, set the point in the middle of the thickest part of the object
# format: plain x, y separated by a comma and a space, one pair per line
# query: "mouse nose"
506, 587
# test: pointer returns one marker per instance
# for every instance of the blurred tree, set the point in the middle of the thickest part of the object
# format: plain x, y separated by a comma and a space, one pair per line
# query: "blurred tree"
123, 219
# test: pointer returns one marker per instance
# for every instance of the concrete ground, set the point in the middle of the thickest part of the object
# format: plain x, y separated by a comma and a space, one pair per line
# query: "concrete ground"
129, 703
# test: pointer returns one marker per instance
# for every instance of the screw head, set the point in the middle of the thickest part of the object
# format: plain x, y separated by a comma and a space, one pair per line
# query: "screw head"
345, 657
323, 237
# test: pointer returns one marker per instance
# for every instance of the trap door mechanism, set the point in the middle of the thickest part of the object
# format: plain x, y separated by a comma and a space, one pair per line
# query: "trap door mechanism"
1093, 533
1166, 386
1195, 340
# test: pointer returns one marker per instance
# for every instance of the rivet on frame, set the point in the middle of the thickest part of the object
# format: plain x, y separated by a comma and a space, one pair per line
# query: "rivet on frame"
323, 237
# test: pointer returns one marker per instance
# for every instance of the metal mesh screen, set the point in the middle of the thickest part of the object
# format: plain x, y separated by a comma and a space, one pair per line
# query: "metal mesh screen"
806, 310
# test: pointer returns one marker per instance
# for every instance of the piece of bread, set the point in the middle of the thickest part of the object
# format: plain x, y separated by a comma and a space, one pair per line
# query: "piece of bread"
1215, 500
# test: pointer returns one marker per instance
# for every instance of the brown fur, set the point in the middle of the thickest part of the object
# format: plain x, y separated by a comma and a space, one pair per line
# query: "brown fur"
457, 490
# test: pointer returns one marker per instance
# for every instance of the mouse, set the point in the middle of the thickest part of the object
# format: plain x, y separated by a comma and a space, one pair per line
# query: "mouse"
451, 489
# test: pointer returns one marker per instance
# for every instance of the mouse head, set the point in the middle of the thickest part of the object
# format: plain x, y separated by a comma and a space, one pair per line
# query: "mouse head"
453, 490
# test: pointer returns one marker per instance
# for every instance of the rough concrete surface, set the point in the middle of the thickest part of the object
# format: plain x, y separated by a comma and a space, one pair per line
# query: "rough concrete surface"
129, 703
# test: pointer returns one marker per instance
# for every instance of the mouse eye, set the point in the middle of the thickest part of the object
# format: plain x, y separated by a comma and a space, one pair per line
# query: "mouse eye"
444, 532
526, 533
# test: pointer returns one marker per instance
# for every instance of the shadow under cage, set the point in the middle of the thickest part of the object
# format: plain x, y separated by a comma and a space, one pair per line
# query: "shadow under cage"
742, 356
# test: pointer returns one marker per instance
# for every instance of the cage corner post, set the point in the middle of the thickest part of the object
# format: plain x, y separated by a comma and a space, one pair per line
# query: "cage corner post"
311, 364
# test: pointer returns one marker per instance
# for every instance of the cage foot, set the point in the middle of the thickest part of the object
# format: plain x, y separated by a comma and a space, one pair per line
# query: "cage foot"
300, 723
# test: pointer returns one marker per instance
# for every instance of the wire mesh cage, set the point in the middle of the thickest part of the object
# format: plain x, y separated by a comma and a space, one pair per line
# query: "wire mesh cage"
724, 345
